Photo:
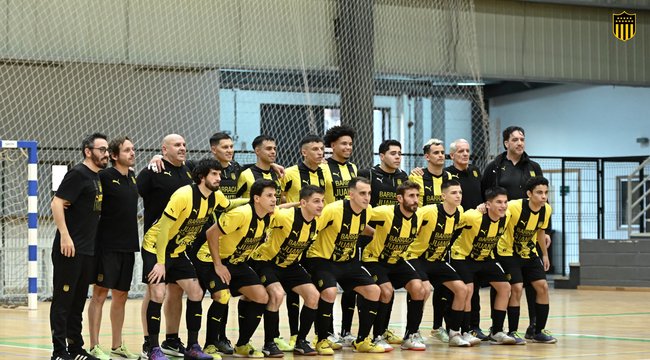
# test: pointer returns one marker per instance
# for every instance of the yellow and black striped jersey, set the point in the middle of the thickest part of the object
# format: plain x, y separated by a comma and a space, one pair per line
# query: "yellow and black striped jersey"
189, 210
436, 233
248, 177
393, 234
288, 237
521, 233
242, 231
339, 228
430, 186
298, 176
479, 236
337, 176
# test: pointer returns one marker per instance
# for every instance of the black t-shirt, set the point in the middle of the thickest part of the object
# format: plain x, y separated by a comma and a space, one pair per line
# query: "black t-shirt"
82, 189
118, 225
157, 188
384, 185
470, 183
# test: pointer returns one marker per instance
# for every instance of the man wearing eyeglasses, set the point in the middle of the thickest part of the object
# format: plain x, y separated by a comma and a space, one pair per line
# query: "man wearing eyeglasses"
76, 208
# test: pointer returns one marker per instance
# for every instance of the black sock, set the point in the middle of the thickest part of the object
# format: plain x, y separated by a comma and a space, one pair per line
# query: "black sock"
455, 319
213, 323
542, 317
153, 323
348, 301
222, 330
466, 322
250, 315
307, 317
531, 299
476, 308
389, 312
293, 311
271, 325
193, 315
441, 299
498, 317
367, 316
380, 320
414, 309
324, 318
146, 339
513, 318
173, 336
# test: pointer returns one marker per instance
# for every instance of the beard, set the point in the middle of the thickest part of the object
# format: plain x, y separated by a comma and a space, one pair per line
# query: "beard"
212, 187
99, 161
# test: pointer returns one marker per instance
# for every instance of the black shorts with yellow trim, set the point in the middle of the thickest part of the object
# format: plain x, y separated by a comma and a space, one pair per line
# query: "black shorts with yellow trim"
481, 271
349, 274
114, 269
398, 274
241, 275
176, 268
520, 270
436, 272
289, 277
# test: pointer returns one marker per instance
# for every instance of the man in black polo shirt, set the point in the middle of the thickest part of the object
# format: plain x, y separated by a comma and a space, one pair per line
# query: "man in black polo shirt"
117, 241
75, 208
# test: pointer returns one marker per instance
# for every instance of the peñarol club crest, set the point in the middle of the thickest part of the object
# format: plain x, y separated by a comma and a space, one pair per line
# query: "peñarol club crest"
624, 26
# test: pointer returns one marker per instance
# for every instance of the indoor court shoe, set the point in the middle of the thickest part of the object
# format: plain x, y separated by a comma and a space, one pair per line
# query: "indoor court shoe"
302, 347
224, 346
323, 347
471, 339
247, 351
335, 342
456, 340
366, 346
391, 338
292, 340
63, 355
144, 355
380, 341
414, 342
270, 349
530, 332
99, 353
477, 332
212, 351
82, 354
156, 354
173, 347
123, 353
501, 338
282, 344
194, 352
440, 334
519, 340
347, 339
544, 338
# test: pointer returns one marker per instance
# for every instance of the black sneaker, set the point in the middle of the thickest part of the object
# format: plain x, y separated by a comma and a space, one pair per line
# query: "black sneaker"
544, 337
302, 347
224, 346
270, 349
530, 332
477, 332
173, 347
144, 355
81, 354
63, 355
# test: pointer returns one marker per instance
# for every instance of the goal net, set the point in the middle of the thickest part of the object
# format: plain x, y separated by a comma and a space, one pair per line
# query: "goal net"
406, 70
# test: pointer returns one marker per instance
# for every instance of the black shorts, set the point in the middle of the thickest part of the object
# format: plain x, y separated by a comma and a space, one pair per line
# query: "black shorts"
487, 270
114, 269
436, 272
326, 273
520, 270
240, 275
289, 277
176, 268
398, 274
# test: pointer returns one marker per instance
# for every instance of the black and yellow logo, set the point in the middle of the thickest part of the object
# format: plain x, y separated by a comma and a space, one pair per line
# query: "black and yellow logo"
624, 26
100, 277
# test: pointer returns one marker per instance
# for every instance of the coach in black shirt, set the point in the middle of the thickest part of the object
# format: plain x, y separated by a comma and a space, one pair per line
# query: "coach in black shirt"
468, 175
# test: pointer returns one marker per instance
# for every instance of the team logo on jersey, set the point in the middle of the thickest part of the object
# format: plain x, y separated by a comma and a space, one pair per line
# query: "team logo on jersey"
100, 277
232, 176
624, 26
212, 284
532, 173
413, 231
399, 182
475, 173
508, 277
117, 181
321, 182
320, 283
66, 288
263, 279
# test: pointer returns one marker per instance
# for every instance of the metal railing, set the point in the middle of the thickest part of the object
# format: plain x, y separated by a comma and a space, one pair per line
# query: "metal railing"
634, 200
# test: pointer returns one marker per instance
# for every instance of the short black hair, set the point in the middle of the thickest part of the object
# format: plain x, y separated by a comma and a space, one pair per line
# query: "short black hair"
386, 144
258, 187
535, 181
493, 192
352, 184
509, 130
407, 185
114, 147
203, 168
89, 141
335, 132
308, 190
259, 139
217, 137
447, 183
311, 138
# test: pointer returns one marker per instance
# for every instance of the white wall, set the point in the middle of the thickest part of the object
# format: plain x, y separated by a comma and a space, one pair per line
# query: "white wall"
578, 120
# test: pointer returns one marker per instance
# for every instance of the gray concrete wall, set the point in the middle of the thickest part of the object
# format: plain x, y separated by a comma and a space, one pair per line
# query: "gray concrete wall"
615, 262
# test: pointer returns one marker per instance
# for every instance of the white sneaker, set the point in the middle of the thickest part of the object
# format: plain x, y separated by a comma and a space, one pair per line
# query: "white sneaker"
380, 341
456, 340
473, 340
501, 338
414, 342
440, 334
348, 339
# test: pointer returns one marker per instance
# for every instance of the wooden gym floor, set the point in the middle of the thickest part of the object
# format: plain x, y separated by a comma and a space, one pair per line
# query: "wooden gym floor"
588, 324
